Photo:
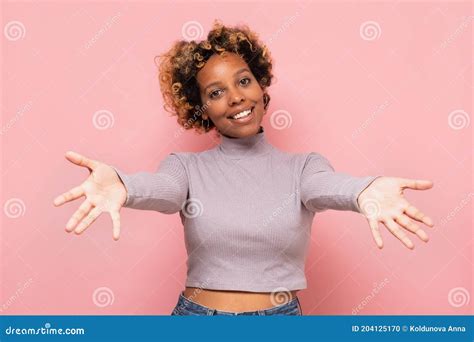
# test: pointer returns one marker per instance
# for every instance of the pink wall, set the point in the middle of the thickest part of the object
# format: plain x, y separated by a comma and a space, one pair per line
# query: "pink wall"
394, 100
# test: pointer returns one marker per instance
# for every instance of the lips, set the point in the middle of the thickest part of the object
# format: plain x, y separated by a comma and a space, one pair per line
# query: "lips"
230, 117
243, 121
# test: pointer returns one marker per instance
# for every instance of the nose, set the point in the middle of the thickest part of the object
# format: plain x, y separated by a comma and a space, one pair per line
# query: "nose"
235, 97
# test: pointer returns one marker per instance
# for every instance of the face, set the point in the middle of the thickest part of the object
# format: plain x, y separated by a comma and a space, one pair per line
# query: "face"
229, 87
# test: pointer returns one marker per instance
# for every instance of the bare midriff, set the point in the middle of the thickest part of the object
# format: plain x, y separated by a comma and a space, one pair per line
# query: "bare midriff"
238, 301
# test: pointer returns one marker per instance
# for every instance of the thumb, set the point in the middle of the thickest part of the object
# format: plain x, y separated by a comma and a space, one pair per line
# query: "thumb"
416, 184
81, 160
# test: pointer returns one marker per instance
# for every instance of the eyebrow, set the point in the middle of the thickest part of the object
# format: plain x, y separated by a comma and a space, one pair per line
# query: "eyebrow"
236, 73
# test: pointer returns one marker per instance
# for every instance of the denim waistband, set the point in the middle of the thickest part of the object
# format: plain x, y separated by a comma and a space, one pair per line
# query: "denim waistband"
187, 306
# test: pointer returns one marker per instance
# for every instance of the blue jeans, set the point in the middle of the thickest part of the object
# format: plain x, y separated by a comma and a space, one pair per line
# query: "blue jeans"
186, 307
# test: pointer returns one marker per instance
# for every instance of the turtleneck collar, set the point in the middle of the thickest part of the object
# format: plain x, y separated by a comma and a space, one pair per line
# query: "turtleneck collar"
253, 145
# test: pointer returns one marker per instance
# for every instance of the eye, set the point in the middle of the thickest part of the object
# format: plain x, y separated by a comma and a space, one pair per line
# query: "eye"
214, 93
246, 79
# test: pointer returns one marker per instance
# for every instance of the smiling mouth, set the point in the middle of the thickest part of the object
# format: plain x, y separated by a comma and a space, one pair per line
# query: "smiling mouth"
242, 115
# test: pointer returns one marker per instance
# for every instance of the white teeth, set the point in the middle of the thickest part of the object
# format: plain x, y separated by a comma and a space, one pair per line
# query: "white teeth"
242, 114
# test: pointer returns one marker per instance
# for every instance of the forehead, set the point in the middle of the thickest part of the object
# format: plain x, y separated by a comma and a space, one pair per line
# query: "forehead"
220, 67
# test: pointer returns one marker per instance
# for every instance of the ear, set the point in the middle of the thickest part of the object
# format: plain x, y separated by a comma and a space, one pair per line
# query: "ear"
266, 100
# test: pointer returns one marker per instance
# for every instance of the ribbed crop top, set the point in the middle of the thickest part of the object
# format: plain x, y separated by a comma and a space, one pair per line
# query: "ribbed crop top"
247, 209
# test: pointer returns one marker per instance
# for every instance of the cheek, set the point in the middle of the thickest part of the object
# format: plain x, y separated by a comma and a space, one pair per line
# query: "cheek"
217, 108
257, 93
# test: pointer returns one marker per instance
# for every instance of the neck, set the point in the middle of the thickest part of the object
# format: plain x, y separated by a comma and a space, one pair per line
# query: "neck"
245, 147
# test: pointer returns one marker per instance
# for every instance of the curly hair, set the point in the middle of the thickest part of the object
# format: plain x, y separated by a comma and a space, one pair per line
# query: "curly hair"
179, 66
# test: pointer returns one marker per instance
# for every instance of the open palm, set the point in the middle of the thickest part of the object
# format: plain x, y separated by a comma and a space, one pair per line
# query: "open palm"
103, 191
383, 201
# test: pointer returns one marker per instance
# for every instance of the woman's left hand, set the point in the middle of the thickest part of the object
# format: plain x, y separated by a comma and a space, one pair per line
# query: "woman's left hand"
383, 201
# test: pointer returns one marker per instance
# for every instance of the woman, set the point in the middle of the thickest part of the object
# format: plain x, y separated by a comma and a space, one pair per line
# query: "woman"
246, 207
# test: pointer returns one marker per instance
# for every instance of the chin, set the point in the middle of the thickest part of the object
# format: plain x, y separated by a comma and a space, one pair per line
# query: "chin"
247, 131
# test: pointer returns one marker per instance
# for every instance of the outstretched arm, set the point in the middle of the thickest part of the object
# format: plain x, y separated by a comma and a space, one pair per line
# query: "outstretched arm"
164, 191
108, 190
322, 188
378, 198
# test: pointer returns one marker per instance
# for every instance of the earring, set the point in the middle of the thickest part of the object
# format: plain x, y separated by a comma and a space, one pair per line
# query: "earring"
207, 124
266, 99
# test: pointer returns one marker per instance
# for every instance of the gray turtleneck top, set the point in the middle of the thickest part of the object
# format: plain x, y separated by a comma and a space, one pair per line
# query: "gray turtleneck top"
247, 209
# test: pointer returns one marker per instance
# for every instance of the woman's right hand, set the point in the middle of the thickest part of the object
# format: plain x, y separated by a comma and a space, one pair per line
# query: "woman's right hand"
104, 191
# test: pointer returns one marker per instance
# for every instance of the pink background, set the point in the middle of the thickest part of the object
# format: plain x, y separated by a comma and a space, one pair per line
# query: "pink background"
397, 105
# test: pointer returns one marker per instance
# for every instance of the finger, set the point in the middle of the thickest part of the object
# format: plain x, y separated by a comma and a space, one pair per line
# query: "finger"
398, 233
81, 160
116, 224
416, 214
411, 226
85, 223
416, 184
80, 213
70, 195
374, 227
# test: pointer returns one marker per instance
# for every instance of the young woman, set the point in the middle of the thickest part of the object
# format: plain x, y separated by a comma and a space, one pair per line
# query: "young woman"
246, 207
